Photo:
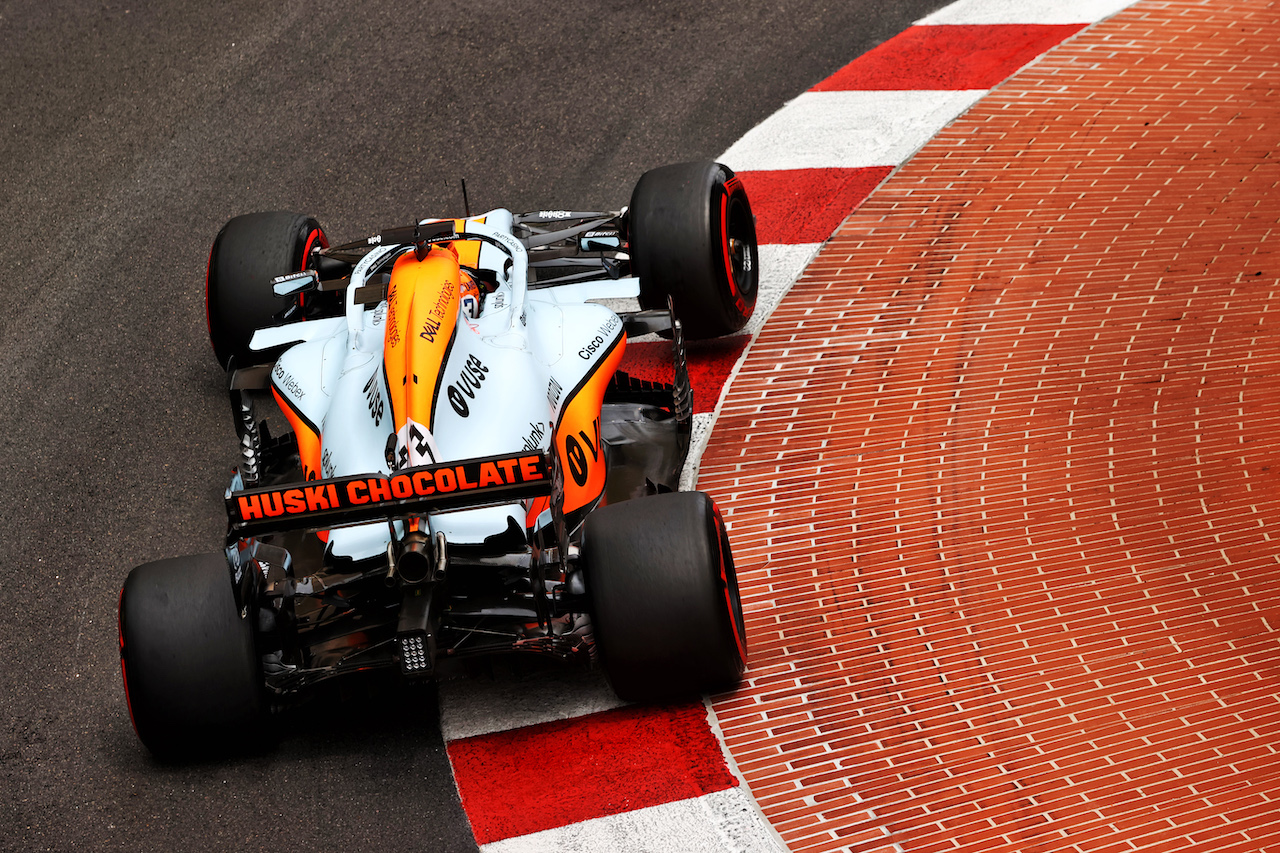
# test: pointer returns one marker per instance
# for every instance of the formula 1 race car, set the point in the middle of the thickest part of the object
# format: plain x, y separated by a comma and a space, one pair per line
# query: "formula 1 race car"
459, 467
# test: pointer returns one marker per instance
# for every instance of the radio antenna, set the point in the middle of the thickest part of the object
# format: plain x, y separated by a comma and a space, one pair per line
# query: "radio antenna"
466, 205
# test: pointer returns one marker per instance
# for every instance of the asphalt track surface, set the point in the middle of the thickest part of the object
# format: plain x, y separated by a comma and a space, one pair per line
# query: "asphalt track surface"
129, 135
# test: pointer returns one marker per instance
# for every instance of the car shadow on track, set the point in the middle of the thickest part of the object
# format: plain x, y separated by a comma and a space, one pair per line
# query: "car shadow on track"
362, 757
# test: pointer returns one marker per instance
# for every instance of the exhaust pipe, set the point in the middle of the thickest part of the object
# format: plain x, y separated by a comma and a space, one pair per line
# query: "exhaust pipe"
415, 565
418, 562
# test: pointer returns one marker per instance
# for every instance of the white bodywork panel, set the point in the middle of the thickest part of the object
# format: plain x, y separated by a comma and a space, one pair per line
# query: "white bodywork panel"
501, 391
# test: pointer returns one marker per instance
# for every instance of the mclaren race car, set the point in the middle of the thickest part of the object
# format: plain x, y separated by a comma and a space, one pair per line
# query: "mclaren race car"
458, 467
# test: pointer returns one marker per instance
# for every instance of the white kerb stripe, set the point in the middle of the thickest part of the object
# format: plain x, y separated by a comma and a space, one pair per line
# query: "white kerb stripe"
848, 130
1026, 12
720, 822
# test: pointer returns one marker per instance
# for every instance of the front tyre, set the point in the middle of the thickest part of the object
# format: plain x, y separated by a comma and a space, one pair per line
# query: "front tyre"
248, 252
192, 675
666, 614
693, 238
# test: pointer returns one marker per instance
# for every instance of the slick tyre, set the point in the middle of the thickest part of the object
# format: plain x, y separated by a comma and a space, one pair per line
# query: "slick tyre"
693, 238
664, 595
248, 252
192, 676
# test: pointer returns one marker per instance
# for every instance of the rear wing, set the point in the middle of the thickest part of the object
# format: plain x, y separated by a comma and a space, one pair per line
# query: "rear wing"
342, 501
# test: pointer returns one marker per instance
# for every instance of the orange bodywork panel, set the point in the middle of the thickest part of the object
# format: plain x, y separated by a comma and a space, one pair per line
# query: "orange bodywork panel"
422, 313
308, 443
577, 439
308, 438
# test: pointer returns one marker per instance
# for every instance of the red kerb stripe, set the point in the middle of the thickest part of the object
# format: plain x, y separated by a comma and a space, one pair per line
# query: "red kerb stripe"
805, 205
948, 57
547, 776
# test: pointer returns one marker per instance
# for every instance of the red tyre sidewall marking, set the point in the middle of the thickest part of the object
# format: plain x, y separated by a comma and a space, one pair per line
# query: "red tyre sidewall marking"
722, 541
739, 304
124, 673
316, 234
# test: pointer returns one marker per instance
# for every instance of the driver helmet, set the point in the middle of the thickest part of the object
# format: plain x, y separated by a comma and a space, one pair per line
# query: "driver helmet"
470, 294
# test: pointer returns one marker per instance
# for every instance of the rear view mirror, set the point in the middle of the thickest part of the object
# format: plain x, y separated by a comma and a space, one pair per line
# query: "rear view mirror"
295, 282
600, 241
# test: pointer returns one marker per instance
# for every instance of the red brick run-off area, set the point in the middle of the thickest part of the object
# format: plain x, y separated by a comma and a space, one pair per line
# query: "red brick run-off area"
1003, 471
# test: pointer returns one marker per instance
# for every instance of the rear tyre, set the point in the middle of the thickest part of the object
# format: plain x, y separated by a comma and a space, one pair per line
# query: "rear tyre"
192, 675
693, 238
248, 252
666, 614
